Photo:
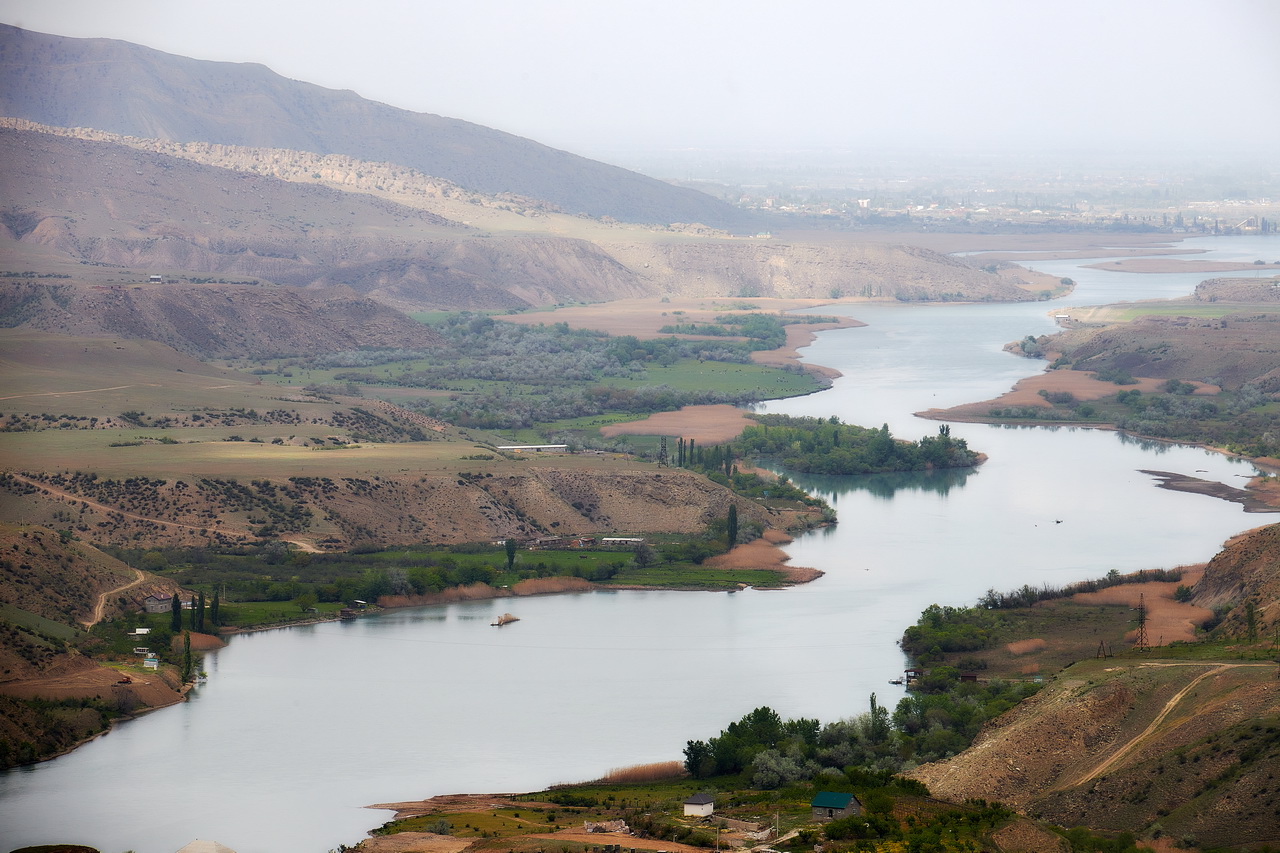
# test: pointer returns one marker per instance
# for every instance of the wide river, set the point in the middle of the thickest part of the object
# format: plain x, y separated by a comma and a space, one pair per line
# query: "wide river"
297, 730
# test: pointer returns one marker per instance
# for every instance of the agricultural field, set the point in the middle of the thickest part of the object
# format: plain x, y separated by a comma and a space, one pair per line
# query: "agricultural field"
1129, 311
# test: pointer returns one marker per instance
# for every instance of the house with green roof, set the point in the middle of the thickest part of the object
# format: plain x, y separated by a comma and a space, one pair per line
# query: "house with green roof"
828, 805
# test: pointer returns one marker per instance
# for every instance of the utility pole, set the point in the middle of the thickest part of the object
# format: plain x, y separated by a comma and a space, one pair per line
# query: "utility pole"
1140, 642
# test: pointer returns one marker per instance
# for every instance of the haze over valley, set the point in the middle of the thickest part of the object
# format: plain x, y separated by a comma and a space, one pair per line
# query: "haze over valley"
280, 355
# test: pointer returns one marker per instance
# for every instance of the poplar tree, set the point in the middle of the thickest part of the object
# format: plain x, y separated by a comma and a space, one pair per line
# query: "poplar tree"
511, 553
731, 532
175, 612
213, 610
200, 613
188, 663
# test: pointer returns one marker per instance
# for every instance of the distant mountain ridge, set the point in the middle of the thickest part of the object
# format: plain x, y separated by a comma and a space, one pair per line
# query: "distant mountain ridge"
98, 208
129, 89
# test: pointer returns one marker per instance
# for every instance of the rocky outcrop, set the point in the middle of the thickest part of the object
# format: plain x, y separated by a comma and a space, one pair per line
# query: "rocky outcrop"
1247, 568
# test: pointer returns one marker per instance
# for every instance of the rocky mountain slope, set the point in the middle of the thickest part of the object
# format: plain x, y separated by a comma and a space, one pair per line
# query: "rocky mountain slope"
91, 205
1247, 569
129, 89
51, 695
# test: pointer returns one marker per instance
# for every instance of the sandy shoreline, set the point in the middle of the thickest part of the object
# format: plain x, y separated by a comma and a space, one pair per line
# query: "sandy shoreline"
1163, 265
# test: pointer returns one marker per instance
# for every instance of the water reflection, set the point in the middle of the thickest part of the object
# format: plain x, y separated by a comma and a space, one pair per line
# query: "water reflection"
831, 486
1147, 444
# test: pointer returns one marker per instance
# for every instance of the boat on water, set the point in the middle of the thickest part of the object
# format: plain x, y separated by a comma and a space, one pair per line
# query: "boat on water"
504, 619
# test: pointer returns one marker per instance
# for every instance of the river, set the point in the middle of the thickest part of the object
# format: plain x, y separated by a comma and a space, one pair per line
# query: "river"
296, 730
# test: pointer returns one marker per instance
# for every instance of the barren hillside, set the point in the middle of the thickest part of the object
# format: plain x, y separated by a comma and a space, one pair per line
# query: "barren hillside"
214, 320
1221, 339
58, 579
382, 509
1247, 569
1189, 748
88, 206
142, 92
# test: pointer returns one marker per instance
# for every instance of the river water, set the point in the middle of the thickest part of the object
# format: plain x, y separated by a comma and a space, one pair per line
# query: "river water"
297, 730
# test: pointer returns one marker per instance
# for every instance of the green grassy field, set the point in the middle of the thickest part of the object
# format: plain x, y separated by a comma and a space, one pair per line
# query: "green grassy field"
724, 377
685, 375
39, 624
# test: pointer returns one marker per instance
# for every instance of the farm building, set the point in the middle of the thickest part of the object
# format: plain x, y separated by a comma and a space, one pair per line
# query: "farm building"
700, 805
163, 603
827, 806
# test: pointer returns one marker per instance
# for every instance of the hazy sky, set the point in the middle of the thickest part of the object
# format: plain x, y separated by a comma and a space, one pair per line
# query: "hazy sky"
589, 76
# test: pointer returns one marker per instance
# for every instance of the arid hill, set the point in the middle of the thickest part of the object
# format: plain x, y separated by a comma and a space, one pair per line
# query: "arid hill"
214, 320
1175, 740
52, 695
382, 509
1235, 346
1188, 749
86, 206
126, 88
58, 578
1247, 569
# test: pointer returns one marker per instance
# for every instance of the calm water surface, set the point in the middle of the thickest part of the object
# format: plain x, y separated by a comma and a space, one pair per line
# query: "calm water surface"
297, 730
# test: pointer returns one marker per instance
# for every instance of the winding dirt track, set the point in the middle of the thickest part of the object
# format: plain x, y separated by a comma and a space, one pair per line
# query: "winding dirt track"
1119, 754
302, 543
102, 597
77, 499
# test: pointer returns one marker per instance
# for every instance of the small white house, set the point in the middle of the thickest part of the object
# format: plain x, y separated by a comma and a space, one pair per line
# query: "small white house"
700, 805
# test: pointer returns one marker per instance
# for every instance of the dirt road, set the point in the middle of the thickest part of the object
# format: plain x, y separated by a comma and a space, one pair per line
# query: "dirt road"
101, 507
1116, 756
102, 597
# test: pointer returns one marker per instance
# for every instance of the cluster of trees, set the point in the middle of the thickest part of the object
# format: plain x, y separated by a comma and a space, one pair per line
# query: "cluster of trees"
763, 331
198, 611
1239, 420
43, 728
943, 629
1027, 595
938, 720
519, 408
270, 572
953, 829
826, 446
548, 371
